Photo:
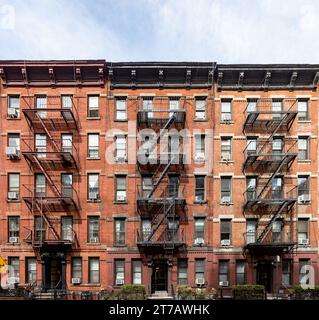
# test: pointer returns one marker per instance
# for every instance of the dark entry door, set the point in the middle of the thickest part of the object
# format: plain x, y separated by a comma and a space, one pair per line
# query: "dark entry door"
53, 273
264, 275
159, 276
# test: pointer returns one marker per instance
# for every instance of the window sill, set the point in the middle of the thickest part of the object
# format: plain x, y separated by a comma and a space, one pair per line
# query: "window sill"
226, 204
14, 159
120, 202
14, 243
305, 203
89, 158
226, 247
227, 122
92, 285
14, 201
93, 243
19, 118
93, 118
304, 161
119, 245
304, 121
199, 245
94, 201
200, 202
226, 162
120, 120
200, 120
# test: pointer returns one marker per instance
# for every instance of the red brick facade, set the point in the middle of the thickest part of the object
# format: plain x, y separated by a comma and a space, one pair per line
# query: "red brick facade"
83, 79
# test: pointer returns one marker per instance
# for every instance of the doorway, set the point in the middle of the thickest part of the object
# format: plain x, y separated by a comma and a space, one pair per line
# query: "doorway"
160, 276
265, 275
53, 273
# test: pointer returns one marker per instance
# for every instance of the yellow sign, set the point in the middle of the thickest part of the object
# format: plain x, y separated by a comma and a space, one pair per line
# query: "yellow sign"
2, 263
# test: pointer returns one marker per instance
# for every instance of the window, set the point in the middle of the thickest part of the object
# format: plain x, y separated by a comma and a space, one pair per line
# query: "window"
39, 228
40, 185
277, 148
93, 106
223, 272
67, 185
200, 193
199, 232
146, 229
120, 188
174, 104
13, 227
67, 228
119, 225
120, 108
200, 147
226, 109
77, 268
13, 106
31, 270
277, 108
251, 183
147, 186
303, 109
40, 141
41, 103
286, 276
240, 272
182, 277
225, 189
67, 101
225, 148
93, 186
225, 231
251, 145
251, 228
277, 187
15, 264
13, 186
304, 271
147, 105
277, 228
303, 231
303, 186
67, 143
119, 272
120, 148
14, 144
303, 148
173, 186
251, 105
94, 270
93, 145
94, 230
200, 108
199, 269
136, 271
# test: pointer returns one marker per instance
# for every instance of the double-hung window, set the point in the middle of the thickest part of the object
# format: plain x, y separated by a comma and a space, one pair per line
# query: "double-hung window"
93, 106
200, 108
120, 108
303, 109
120, 148
93, 145
13, 186
226, 106
120, 188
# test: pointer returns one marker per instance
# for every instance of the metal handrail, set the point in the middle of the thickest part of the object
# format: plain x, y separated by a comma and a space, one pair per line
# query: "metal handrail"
260, 105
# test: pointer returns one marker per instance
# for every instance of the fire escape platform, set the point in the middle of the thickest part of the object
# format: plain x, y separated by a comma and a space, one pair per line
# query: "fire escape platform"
270, 248
51, 160
149, 202
55, 119
143, 117
51, 204
269, 202
152, 164
258, 160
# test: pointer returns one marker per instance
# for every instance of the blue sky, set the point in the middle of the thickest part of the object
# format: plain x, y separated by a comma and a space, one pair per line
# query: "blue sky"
226, 31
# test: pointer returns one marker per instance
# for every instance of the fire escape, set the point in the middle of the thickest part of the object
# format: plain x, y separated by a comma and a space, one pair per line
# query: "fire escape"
160, 198
52, 155
270, 196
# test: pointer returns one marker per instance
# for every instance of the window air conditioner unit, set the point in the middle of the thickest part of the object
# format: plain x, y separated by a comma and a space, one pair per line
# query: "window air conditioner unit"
199, 241
200, 156
223, 283
94, 239
12, 152
76, 280
303, 241
12, 195
200, 281
201, 116
225, 157
225, 242
13, 239
226, 117
93, 195
198, 198
121, 198
12, 113
226, 200
120, 159
119, 282
304, 198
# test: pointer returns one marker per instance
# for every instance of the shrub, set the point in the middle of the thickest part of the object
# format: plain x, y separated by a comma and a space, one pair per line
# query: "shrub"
304, 294
131, 292
188, 293
249, 292
185, 293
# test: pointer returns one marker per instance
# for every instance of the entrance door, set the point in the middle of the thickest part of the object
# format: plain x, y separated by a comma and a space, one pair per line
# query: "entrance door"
264, 275
53, 273
159, 276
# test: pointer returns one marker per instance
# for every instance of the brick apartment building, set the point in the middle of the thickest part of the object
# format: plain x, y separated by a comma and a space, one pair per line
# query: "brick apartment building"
231, 200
